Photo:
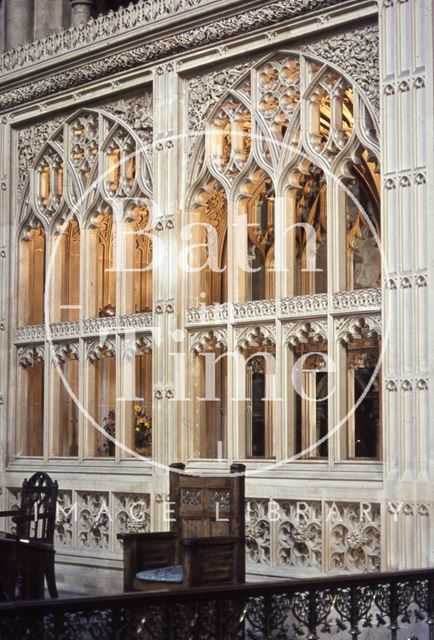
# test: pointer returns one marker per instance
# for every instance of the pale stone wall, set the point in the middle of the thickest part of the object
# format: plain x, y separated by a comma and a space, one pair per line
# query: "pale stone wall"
174, 80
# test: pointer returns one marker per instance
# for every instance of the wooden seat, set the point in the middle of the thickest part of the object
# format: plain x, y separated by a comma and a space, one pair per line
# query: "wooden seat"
205, 545
28, 555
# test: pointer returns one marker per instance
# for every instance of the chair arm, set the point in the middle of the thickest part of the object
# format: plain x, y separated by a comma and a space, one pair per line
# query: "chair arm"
35, 544
147, 551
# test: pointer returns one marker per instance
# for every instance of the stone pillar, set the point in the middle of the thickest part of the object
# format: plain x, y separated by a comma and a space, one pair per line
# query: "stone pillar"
81, 11
19, 23
407, 234
166, 274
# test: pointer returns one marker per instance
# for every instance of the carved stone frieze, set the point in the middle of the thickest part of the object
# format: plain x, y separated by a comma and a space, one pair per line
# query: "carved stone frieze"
304, 305
256, 309
205, 91
31, 333
357, 53
210, 33
207, 314
137, 112
358, 299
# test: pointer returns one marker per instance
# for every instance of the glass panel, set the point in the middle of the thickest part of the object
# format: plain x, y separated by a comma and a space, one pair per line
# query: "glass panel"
65, 414
32, 278
31, 410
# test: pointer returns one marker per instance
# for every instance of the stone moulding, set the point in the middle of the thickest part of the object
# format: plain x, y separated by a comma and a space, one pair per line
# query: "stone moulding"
213, 32
343, 303
89, 327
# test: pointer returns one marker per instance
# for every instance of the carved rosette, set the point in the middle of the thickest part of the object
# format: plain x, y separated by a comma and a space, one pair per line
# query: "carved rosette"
355, 540
300, 542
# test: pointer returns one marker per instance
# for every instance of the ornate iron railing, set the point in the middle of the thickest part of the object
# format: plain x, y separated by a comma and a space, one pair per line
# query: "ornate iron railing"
385, 605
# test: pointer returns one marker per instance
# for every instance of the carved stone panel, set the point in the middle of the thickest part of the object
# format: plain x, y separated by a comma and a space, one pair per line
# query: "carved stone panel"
64, 520
93, 520
300, 542
354, 537
131, 513
258, 544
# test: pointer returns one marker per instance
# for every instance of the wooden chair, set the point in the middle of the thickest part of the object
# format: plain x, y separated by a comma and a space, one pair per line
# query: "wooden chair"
205, 545
28, 555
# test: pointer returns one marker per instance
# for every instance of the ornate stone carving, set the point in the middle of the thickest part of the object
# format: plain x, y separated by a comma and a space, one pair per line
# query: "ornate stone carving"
261, 337
131, 513
304, 305
30, 142
126, 18
354, 536
257, 532
206, 314
137, 112
31, 333
301, 332
349, 329
359, 299
64, 351
207, 34
64, 519
212, 340
206, 90
93, 520
30, 354
357, 53
300, 535
255, 310
97, 349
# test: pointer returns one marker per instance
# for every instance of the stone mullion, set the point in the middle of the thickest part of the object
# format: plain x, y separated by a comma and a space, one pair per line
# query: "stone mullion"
407, 162
336, 272
7, 316
165, 199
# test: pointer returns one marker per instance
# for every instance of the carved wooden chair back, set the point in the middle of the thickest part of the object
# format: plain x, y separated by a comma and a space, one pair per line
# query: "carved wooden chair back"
36, 518
204, 506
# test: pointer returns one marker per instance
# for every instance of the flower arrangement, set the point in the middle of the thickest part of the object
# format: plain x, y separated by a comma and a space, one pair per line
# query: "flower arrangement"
142, 429
109, 426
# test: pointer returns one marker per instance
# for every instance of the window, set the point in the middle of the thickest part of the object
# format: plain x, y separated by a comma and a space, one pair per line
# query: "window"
293, 146
84, 220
